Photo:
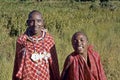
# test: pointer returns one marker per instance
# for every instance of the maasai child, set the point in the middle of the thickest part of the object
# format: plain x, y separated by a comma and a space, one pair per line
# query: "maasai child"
84, 63
36, 57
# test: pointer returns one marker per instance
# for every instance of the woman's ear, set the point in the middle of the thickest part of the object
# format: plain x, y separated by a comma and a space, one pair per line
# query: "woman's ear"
27, 22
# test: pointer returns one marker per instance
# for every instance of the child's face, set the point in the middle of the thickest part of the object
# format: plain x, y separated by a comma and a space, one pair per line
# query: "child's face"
35, 23
80, 43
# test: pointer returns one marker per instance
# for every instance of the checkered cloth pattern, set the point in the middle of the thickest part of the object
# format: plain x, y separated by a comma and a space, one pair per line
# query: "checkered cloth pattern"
26, 69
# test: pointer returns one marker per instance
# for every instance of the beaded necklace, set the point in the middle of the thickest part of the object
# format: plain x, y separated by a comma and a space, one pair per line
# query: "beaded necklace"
36, 57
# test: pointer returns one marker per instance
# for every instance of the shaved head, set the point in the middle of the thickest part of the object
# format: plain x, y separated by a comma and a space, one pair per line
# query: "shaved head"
33, 12
78, 33
35, 22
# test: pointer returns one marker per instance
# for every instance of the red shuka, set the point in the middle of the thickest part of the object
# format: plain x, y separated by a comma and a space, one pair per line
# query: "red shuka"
26, 69
75, 67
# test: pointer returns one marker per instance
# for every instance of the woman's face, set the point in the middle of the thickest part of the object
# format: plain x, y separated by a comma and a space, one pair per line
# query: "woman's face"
80, 43
35, 23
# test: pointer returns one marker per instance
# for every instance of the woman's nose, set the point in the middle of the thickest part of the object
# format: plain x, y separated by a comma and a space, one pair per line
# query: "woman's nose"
35, 23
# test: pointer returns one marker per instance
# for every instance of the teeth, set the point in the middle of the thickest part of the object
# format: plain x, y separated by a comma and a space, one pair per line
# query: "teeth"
80, 47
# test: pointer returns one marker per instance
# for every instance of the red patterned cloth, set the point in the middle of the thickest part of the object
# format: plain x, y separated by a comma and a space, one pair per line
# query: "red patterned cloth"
75, 67
26, 69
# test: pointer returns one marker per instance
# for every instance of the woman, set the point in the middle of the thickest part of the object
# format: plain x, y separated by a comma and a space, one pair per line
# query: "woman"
36, 57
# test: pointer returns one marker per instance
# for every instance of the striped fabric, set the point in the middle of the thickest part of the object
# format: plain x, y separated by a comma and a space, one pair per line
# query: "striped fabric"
26, 69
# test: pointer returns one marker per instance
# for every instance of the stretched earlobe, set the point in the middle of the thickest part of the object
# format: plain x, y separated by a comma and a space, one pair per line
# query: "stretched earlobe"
27, 23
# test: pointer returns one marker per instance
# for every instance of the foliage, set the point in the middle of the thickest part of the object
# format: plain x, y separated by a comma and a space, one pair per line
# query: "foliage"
102, 25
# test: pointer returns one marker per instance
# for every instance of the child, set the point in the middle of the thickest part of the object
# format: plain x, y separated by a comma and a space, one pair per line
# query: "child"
84, 63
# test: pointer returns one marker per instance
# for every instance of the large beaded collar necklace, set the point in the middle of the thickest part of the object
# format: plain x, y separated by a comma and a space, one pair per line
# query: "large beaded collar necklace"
32, 39
36, 57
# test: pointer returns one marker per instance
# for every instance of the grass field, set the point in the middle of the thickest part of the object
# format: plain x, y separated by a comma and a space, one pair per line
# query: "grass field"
101, 24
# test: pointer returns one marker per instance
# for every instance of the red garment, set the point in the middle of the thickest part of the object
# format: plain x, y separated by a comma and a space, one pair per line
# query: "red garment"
75, 67
26, 69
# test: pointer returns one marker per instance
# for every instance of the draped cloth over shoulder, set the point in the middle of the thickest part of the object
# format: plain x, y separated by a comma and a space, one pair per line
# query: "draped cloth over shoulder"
75, 68
26, 69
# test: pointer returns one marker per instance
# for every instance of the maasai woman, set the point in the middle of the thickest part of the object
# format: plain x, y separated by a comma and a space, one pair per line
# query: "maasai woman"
36, 57
84, 63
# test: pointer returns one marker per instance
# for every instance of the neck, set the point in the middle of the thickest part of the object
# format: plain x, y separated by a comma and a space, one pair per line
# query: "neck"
38, 34
35, 35
84, 55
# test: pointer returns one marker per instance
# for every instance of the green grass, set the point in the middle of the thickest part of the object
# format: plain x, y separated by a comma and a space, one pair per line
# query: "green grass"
62, 20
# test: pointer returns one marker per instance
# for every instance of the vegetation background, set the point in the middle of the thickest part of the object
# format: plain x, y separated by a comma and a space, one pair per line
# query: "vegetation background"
63, 18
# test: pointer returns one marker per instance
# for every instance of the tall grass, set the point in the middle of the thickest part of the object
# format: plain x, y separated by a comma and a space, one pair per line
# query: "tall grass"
62, 20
